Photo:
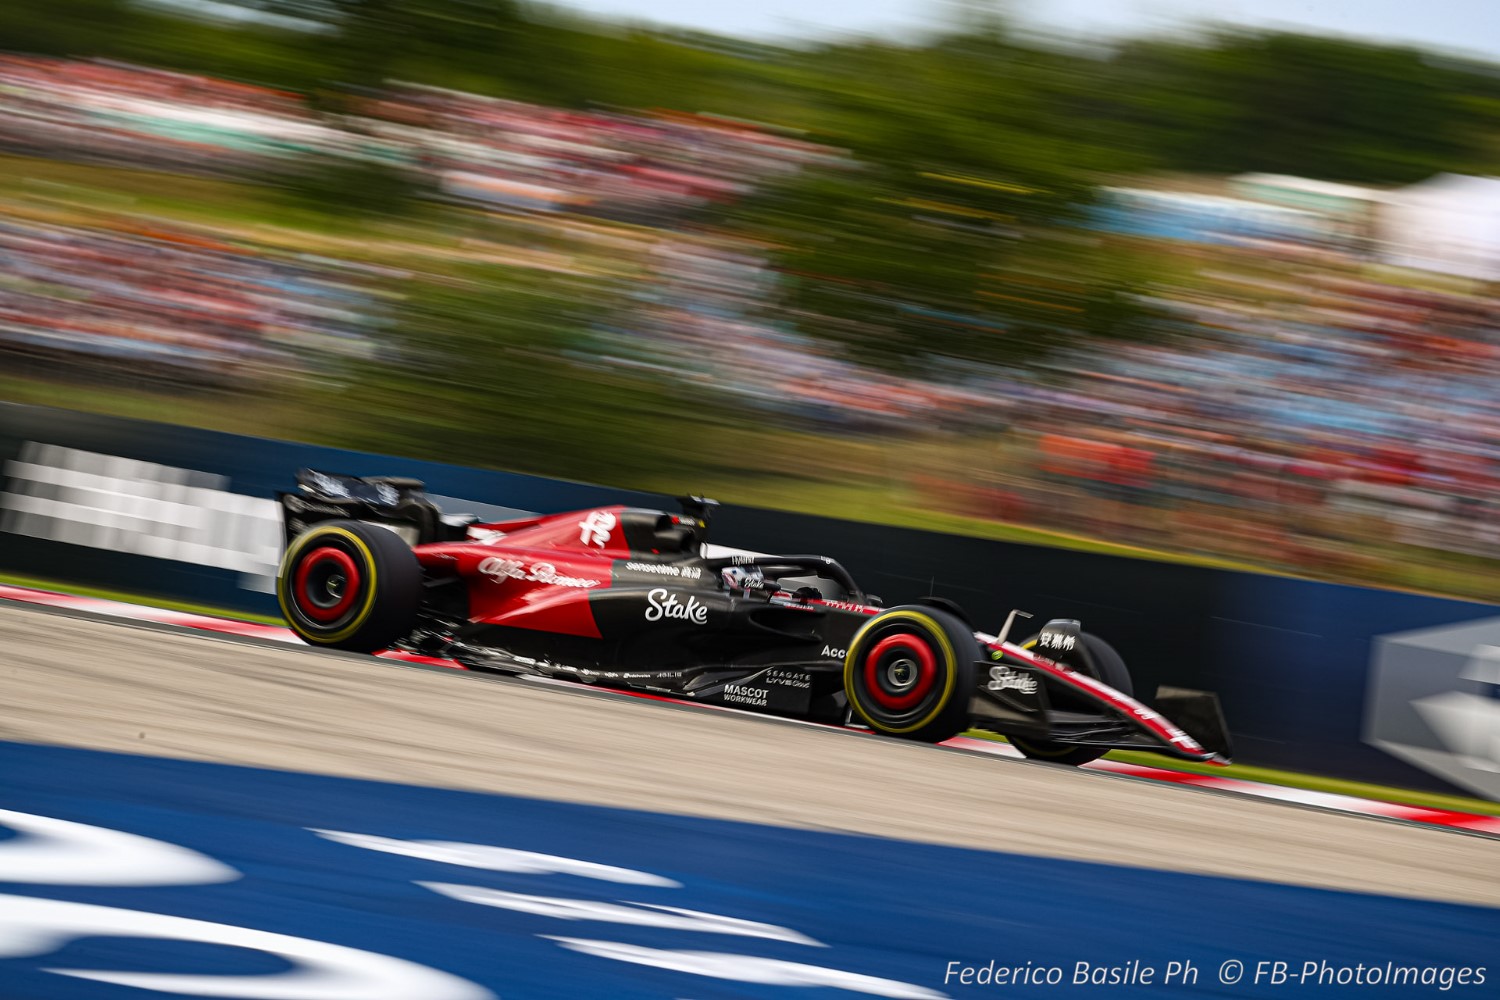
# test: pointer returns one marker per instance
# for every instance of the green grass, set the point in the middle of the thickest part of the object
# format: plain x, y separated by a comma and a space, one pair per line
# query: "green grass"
1317, 783
275, 412
132, 191
77, 590
1296, 779
433, 239
867, 501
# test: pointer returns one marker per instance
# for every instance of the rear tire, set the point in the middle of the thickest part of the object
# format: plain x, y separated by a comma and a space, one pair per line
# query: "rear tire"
1102, 663
350, 585
910, 673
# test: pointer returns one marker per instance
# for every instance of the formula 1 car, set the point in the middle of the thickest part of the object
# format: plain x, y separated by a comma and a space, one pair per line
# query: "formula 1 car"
628, 598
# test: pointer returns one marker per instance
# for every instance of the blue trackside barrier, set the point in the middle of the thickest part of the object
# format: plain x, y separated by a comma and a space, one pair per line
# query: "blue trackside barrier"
166, 878
1352, 682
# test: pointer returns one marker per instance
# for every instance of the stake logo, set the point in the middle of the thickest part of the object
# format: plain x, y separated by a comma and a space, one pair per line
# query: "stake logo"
1003, 678
660, 604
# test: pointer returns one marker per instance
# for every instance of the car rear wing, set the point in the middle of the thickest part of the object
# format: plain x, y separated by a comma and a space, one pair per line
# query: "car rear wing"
398, 503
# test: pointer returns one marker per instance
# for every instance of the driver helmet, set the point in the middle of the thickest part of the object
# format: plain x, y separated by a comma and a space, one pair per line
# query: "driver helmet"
746, 578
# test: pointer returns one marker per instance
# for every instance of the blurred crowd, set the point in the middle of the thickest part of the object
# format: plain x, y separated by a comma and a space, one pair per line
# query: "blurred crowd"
708, 314
101, 112
645, 168
1300, 430
176, 307
638, 167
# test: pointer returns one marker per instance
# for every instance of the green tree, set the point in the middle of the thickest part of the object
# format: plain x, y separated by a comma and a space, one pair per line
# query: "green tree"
1295, 104
67, 27
499, 370
363, 43
962, 165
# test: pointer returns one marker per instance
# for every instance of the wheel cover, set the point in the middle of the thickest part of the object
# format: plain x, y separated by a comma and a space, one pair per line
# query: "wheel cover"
934, 711
326, 584
900, 671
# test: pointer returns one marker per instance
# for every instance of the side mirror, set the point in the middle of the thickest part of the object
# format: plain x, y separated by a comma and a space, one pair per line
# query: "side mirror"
875, 600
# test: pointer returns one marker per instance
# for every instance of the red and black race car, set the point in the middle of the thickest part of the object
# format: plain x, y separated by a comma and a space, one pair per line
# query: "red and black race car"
636, 599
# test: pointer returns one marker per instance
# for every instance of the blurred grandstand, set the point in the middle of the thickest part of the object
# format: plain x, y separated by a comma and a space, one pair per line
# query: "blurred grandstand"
167, 306
104, 112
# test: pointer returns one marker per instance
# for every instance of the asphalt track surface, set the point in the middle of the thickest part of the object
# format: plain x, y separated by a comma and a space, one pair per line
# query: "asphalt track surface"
75, 681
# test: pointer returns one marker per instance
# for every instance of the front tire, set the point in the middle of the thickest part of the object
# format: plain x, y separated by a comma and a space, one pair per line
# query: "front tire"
1101, 662
910, 673
349, 585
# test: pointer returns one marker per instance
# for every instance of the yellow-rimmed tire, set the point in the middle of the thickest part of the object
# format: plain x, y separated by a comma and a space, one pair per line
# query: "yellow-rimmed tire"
349, 585
1099, 661
910, 673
